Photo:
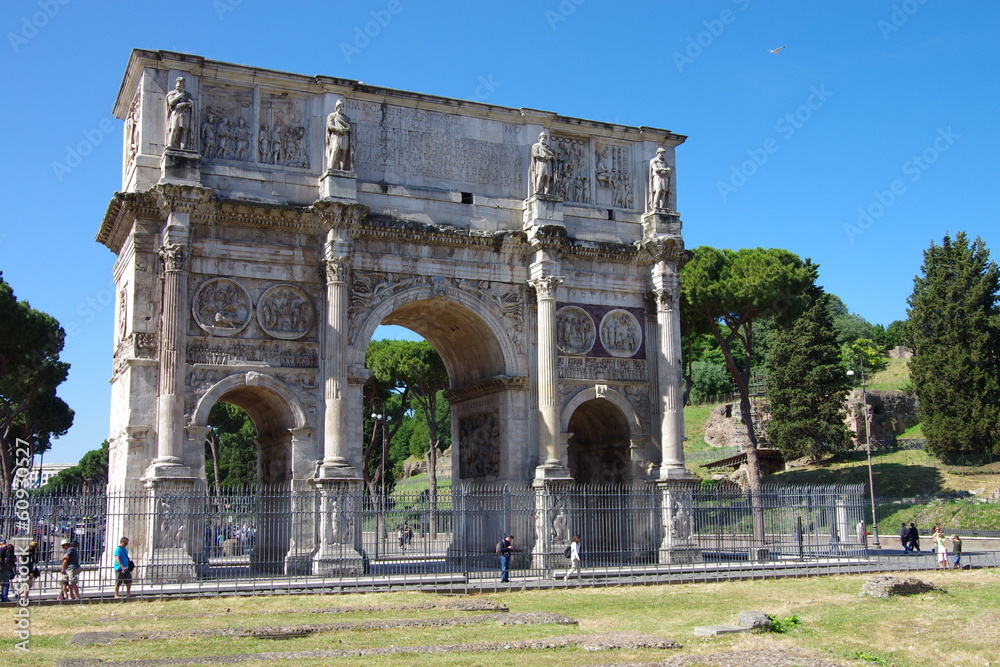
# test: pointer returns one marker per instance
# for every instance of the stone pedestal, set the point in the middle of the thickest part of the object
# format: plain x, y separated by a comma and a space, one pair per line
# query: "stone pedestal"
339, 552
334, 184
553, 516
543, 211
180, 167
175, 535
676, 516
660, 223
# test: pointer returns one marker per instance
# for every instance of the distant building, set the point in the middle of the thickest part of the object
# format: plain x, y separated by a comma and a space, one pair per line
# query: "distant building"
40, 476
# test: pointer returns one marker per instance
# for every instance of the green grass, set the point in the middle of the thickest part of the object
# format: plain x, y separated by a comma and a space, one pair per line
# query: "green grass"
960, 626
695, 419
895, 376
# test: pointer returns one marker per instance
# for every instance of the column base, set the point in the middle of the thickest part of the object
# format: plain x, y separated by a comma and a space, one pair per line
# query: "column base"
180, 166
543, 212
335, 184
660, 223
171, 565
552, 472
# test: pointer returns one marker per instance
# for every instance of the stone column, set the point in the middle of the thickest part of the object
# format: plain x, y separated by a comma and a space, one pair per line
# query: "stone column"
337, 217
178, 203
548, 376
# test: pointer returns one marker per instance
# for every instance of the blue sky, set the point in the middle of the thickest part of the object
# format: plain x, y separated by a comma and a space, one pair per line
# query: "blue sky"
873, 133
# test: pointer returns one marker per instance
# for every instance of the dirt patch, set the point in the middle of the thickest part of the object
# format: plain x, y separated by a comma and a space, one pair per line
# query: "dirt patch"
748, 658
587, 642
285, 632
461, 604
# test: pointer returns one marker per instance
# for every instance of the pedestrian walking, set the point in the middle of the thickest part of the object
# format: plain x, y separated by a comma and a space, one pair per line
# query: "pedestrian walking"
574, 559
913, 537
8, 566
904, 536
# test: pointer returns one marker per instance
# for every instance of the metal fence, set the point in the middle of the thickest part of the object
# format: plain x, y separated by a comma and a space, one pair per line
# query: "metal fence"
265, 539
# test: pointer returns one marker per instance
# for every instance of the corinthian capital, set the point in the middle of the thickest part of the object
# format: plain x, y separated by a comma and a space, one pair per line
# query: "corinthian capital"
337, 268
546, 286
173, 198
667, 299
173, 256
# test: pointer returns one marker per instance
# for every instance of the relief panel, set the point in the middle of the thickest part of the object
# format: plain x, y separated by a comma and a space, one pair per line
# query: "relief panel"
227, 124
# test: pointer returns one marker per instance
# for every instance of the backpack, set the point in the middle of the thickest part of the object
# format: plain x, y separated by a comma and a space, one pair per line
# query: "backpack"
568, 552
501, 547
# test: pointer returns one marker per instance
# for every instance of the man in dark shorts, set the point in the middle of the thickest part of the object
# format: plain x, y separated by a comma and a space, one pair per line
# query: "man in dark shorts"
123, 575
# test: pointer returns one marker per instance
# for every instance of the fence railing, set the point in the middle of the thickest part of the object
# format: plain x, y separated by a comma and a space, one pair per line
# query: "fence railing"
199, 542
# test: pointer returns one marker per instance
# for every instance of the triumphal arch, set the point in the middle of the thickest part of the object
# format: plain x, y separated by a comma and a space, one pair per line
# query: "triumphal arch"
268, 222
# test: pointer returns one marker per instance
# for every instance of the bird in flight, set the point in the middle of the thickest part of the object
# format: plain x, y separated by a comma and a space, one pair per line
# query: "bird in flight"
775, 50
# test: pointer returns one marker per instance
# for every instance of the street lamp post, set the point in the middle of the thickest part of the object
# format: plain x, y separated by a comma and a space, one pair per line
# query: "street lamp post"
381, 418
868, 448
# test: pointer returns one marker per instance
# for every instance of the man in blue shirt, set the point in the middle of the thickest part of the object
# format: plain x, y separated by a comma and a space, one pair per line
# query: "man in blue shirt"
123, 575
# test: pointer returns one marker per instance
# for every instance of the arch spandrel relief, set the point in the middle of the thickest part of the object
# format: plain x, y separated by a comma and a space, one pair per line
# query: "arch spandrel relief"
285, 312
222, 307
621, 334
575, 331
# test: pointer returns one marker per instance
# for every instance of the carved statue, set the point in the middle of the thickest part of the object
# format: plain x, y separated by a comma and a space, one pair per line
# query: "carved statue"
542, 166
338, 139
180, 108
658, 192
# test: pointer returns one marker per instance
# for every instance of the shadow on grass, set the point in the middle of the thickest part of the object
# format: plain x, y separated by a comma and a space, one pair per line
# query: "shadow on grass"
892, 480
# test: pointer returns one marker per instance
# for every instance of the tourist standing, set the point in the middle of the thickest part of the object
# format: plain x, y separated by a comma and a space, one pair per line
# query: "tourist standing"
70, 570
8, 565
956, 551
504, 549
31, 563
123, 573
574, 559
941, 548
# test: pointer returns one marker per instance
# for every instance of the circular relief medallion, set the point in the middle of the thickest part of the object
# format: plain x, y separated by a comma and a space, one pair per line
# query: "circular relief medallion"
222, 307
621, 334
285, 312
575, 331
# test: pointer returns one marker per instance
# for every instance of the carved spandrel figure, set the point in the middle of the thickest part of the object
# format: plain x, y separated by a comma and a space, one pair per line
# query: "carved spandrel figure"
542, 166
180, 109
338, 139
658, 192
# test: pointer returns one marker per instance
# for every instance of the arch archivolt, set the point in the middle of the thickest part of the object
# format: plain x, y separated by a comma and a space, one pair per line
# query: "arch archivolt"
609, 394
484, 318
250, 389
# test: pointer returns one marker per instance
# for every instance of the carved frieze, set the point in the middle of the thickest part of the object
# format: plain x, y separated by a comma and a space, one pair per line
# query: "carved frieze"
613, 173
479, 445
590, 368
283, 138
575, 330
239, 352
137, 345
285, 312
227, 124
572, 180
222, 307
621, 333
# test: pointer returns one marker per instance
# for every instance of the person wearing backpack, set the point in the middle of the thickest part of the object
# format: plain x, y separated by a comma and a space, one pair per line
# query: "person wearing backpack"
574, 559
8, 565
504, 549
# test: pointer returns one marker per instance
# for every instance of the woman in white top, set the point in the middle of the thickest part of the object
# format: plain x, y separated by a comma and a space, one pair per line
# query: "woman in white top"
574, 559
